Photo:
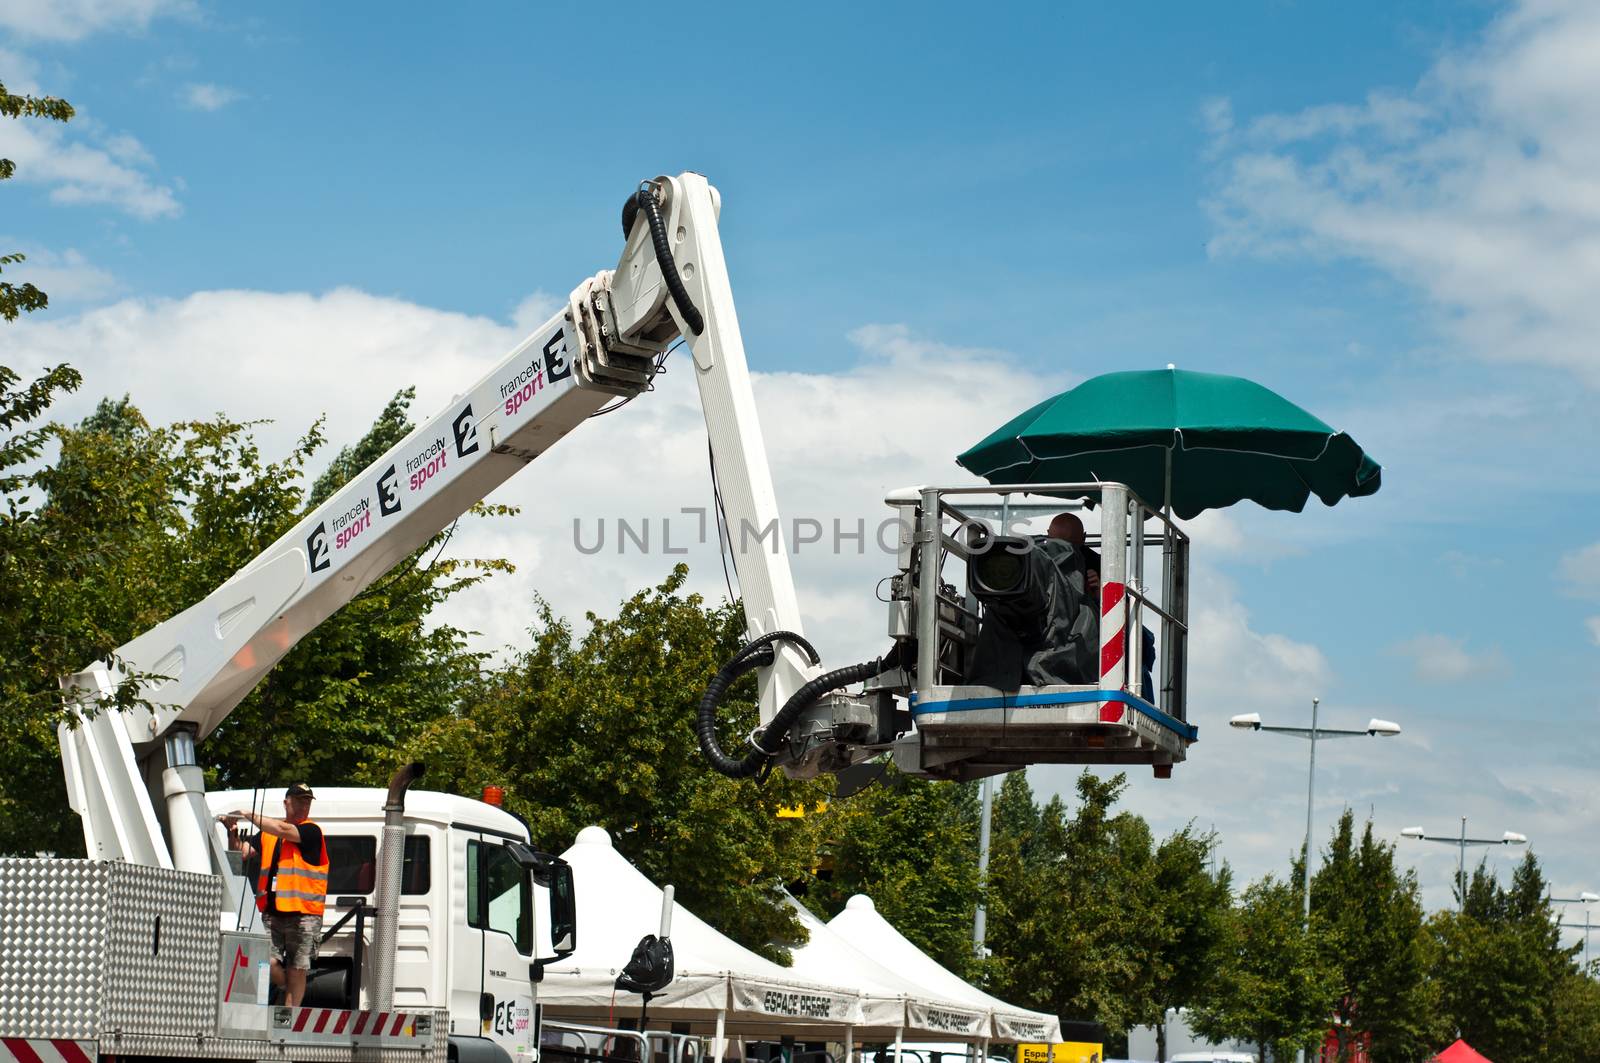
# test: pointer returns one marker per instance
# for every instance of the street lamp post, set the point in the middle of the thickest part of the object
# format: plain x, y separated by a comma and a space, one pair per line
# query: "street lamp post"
1461, 842
1585, 898
1251, 721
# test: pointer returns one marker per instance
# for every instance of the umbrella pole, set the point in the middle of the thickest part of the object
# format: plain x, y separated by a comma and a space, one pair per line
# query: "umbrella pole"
720, 1041
1162, 696
849, 1044
1166, 493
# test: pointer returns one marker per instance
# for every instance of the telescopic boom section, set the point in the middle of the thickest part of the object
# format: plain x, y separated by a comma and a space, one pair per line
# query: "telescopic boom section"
603, 345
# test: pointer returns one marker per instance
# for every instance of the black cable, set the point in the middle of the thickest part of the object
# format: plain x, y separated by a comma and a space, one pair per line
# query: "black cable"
646, 200
758, 653
722, 523
412, 567
660, 367
767, 741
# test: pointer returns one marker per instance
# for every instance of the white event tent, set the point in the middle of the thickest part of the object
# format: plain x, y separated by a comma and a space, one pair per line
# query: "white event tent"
893, 1007
718, 983
867, 931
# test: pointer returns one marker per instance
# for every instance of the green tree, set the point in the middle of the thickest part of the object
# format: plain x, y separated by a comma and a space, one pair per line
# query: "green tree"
1575, 1029
912, 846
130, 524
598, 728
16, 299
1499, 964
1193, 906
1274, 989
27, 736
1370, 921
1066, 907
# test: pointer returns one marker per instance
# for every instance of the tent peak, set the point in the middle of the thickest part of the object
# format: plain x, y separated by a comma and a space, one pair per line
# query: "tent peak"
860, 903
593, 836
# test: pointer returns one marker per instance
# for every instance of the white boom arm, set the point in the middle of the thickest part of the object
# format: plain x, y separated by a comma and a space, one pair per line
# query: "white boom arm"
215, 652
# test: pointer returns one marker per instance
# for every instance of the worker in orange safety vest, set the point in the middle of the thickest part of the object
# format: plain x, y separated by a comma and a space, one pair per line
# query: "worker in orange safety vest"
291, 887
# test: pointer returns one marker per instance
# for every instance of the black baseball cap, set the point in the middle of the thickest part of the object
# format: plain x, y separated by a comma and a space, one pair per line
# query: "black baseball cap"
299, 789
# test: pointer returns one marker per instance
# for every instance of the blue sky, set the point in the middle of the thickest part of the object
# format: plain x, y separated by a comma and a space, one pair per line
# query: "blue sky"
1387, 212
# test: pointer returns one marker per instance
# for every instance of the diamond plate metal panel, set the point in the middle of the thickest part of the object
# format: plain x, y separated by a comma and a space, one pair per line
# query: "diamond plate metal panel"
81, 959
163, 940
52, 946
90, 947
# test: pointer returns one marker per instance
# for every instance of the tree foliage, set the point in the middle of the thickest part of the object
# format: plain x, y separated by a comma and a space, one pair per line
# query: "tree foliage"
1575, 1022
1275, 988
17, 299
1090, 918
597, 727
127, 524
912, 846
371, 676
1195, 906
1501, 968
1370, 922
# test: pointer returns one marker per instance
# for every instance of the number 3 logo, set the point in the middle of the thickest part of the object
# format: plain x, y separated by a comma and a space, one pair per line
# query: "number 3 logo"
555, 357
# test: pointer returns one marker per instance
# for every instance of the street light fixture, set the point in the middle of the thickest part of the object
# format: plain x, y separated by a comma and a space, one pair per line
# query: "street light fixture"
1585, 898
1251, 721
1461, 841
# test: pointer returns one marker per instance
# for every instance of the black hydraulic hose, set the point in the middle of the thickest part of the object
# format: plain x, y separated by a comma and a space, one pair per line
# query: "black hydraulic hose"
706, 722
802, 699
756, 654
776, 731
761, 642
645, 200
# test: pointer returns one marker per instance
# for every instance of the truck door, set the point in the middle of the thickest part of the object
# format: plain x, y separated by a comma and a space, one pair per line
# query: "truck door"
491, 996
466, 938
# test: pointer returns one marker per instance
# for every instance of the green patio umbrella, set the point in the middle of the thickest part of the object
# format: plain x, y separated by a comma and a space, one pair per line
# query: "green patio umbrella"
1190, 441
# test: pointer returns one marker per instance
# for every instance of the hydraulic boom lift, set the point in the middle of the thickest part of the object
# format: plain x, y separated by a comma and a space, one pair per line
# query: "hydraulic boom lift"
134, 777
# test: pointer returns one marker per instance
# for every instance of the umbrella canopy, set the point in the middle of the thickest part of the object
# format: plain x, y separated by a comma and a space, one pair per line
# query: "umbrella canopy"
1228, 438
1460, 1052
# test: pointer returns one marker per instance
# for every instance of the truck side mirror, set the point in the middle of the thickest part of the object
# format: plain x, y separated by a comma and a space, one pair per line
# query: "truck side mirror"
555, 875
563, 909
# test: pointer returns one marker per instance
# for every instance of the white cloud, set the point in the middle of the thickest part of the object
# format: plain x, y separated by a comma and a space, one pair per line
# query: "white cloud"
1441, 659
1580, 571
21, 73
1237, 668
71, 20
1479, 187
207, 96
837, 442
67, 277
115, 173
1593, 624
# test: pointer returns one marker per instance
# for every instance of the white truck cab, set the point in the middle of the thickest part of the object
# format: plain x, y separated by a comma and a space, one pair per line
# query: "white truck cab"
474, 927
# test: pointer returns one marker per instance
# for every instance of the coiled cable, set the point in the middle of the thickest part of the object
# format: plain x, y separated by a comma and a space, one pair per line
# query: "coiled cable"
648, 200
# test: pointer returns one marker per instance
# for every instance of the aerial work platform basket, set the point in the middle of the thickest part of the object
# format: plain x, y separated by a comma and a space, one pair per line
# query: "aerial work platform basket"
1122, 706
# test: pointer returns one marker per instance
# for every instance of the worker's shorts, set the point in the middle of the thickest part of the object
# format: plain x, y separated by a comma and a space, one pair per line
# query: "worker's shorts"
294, 938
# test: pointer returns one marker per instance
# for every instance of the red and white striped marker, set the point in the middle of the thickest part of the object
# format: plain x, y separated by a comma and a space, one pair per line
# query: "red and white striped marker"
335, 1022
46, 1050
1113, 648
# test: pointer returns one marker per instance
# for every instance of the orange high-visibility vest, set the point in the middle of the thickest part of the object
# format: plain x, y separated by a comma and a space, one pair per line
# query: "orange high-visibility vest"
301, 886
